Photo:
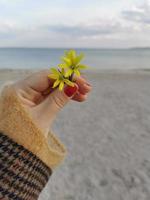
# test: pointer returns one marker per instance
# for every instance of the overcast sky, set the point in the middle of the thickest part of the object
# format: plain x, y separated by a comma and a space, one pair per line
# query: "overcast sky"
79, 23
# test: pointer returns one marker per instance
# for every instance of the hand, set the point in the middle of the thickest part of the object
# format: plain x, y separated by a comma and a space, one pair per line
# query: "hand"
44, 103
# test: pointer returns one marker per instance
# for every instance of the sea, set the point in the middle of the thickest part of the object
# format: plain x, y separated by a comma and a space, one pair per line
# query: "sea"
105, 59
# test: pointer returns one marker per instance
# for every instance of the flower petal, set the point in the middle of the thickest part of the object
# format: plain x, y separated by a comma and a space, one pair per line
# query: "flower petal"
55, 71
78, 59
62, 65
53, 76
72, 55
61, 85
67, 61
76, 71
62, 71
68, 72
56, 83
80, 66
68, 82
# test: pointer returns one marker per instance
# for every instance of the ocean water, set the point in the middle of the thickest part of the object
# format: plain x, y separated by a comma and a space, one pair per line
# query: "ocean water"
38, 58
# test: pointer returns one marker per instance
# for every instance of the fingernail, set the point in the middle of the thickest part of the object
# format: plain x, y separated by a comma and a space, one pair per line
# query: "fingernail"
70, 91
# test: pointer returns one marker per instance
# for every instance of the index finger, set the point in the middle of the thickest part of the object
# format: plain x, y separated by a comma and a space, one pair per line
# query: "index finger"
39, 81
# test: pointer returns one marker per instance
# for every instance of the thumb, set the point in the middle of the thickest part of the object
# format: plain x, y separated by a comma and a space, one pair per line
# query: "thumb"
57, 99
55, 102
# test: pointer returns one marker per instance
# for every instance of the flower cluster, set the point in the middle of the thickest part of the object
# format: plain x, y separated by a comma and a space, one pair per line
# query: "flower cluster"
64, 73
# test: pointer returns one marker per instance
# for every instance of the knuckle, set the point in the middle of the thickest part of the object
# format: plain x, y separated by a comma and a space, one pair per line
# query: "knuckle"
59, 100
84, 98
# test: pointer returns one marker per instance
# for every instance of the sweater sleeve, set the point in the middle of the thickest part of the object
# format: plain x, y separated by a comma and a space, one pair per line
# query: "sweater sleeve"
27, 157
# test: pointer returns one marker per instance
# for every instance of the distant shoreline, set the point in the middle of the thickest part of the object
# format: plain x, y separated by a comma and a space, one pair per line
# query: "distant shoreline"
92, 71
81, 48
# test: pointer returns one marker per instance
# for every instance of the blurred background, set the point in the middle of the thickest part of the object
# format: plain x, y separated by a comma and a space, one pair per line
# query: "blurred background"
117, 32
108, 136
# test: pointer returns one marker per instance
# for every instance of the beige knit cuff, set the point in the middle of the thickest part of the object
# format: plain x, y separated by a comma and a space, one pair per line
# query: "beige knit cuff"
17, 123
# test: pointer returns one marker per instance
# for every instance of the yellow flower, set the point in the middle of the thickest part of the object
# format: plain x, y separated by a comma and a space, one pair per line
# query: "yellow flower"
71, 62
60, 78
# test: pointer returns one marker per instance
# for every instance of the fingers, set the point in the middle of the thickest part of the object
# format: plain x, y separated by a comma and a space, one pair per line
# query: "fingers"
39, 81
79, 97
32, 87
84, 89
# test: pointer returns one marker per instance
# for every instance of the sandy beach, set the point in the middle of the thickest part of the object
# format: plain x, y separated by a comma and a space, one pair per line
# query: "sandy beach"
107, 137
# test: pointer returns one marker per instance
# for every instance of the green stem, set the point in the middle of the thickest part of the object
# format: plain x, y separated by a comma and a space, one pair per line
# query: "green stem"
71, 77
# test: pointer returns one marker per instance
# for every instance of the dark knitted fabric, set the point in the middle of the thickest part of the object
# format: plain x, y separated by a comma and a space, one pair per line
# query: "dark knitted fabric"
22, 174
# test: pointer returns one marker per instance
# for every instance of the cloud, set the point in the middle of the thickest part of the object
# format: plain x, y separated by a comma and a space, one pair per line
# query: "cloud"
90, 29
138, 14
10, 2
86, 30
49, 25
105, 32
7, 29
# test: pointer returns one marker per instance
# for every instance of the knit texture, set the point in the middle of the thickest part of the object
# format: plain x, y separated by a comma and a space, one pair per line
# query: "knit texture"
22, 174
18, 125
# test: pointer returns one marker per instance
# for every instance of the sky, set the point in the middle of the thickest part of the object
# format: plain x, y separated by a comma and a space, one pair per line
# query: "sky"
78, 23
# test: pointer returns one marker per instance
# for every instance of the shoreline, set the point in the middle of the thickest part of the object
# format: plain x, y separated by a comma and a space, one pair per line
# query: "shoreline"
87, 71
6, 74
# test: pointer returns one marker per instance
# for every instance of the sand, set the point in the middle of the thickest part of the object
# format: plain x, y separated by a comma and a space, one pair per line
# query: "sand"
107, 137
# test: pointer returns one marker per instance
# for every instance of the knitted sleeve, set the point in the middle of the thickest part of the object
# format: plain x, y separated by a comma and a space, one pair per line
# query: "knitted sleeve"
27, 158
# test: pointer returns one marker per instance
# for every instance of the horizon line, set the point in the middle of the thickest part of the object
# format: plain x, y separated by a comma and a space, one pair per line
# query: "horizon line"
94, 48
